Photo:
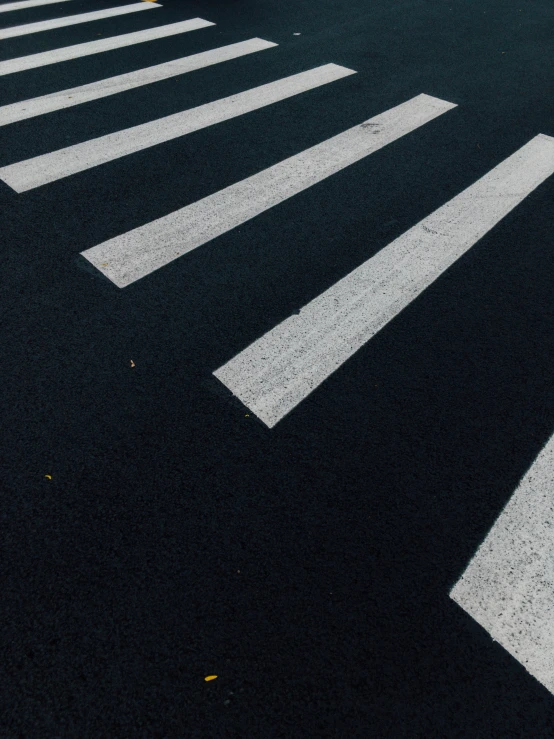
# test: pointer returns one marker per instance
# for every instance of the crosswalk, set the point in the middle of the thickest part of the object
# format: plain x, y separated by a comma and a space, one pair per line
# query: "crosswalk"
273, 375
283, 367
66, 53
72, 20
127, 258
123, 82
41, 170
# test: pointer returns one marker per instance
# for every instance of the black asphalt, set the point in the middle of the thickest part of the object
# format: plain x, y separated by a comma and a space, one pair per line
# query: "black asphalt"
308, 566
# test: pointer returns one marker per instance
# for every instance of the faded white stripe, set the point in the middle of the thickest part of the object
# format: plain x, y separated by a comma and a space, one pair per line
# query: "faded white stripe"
24, 4
508, 587
275, 373
72, 20
22, 63
113, 85
133, 255
40, 170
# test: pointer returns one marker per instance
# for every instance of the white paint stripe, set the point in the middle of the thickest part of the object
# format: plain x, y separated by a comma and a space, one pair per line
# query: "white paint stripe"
135, 254
121, 83
279, 370
40, 170
72, 20
508, 587
24, 4
22, 63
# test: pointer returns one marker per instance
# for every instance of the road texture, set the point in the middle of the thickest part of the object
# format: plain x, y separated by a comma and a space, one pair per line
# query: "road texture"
155, 531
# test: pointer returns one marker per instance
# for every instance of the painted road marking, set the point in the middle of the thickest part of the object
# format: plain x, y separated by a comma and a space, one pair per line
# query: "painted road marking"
139, 252
22, 63
72, 20
275, 373
24, 4
40, 170
508, 587
121, 83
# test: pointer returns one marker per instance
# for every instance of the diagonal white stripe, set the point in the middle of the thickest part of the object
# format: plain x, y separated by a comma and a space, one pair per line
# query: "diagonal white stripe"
40, 170
508, 587
274, 374
22, 63
113, 85
72, 20
24, 4
135, 254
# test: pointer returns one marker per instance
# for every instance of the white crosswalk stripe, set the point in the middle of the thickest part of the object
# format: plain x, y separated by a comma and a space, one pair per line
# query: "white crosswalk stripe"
508, 587
72, 20
40, 170
123, 82
273, 375
137, 253
24, 4
66, 53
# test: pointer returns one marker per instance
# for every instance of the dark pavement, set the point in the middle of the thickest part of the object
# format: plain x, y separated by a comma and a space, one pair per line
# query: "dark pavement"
307, 566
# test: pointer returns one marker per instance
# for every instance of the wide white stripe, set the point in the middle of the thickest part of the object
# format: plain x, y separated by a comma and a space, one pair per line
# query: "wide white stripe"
22, 63
139, 252
40, 170
24, 4
282, 368
508, 587
72, 20
121, 83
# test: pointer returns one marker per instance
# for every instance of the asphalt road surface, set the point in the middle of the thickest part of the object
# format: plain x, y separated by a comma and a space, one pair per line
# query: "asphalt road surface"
271, 368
